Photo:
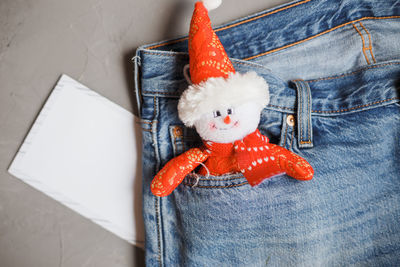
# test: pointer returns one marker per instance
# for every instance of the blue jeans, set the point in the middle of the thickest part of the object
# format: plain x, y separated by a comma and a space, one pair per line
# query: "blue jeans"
333, 68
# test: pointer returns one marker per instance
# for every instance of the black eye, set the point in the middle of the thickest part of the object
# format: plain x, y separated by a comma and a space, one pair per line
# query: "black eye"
217, 113
229, 111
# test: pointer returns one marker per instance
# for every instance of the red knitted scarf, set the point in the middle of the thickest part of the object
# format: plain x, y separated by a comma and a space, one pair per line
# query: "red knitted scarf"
253, 156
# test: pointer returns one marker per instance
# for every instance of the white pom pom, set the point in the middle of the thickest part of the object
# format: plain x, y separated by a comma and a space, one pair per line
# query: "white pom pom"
211, 4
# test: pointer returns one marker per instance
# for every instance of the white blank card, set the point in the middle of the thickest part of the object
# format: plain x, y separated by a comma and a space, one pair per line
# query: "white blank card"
83, 151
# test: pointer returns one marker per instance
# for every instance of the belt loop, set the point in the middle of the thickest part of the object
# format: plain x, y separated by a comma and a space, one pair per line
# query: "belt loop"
137, 64
304, 124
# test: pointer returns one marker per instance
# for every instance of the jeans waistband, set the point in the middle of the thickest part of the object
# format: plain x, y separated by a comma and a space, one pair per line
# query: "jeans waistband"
270, 32
288, 25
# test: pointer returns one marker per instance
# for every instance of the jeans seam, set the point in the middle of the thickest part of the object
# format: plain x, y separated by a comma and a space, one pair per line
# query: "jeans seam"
156, 205
233, 176
354, 72
137, 63
370, 42
279, 48
317, 35
363, 44
157, 92
217, 186
157, 202
307, 81
226, 179
341, 110
356, 107
163, 54
187, 55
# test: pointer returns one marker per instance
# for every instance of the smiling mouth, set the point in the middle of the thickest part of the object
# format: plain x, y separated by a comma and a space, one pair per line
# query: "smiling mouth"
228, 128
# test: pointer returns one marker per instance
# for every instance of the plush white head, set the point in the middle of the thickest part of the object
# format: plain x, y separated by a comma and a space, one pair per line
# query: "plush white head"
226, 125
224, 110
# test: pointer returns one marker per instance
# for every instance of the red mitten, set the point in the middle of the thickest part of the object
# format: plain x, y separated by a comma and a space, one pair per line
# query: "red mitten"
259, 160
172, 174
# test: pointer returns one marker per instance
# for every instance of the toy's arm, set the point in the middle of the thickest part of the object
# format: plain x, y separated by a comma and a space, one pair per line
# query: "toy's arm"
259, 160
172, 174
292, 164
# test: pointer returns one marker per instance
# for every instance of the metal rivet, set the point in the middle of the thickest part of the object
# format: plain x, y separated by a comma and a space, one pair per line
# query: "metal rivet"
178, 131
290, 120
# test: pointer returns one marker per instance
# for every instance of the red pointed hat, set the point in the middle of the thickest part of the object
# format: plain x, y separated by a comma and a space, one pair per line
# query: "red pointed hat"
207, 55
215, 83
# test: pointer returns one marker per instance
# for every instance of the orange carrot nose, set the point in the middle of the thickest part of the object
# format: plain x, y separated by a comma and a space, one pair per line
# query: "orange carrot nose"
227, 120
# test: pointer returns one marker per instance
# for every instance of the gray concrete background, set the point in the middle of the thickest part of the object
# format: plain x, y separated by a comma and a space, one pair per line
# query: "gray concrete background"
92, 41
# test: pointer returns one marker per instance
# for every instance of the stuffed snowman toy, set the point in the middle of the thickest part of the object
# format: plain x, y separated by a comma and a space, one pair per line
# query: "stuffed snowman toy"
225, 107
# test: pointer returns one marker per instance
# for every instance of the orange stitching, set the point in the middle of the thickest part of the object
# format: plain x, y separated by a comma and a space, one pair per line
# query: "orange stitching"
217, 186
235, 24
356, 107
317, 35
354, 72
370, 42
363, 44
305, 142
147, 130
292, 44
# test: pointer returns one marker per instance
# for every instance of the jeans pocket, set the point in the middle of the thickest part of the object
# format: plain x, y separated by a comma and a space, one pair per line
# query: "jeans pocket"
227, 212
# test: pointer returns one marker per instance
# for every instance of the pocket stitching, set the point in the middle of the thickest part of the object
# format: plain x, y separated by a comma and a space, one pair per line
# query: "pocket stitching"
215, 186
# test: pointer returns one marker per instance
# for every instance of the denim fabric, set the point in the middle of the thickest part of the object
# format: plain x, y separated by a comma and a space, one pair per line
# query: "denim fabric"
333, 66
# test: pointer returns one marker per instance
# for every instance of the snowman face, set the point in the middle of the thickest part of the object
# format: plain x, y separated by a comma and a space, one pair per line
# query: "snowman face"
228, 124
